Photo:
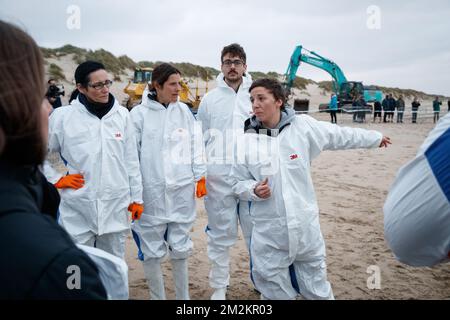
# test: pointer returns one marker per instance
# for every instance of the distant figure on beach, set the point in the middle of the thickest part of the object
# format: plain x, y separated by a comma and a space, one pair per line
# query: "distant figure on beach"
333, 107
400, 105
415, 109
377, 111
436, 109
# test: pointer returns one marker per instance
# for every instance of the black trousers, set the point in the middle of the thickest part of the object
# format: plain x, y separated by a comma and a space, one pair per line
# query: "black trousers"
414, 115
436, 116
377, 114
400, 116
333, 116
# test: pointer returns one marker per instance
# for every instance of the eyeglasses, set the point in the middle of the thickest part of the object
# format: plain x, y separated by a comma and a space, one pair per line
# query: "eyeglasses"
237, 63
100, 85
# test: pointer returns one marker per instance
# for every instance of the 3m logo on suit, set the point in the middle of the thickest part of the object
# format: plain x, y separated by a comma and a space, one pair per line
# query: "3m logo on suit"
294, 156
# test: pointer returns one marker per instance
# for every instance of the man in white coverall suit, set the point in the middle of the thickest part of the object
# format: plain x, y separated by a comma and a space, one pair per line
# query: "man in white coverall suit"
222, 112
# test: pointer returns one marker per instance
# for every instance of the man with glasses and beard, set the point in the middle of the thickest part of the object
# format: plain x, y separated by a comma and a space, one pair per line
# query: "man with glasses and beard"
95, 137
223, 112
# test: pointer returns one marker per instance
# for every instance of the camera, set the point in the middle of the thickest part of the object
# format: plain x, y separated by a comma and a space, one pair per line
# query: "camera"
54, 91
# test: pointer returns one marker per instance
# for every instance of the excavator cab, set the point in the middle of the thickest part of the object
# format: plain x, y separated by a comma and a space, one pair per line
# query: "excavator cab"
135, 88
349, 91
142, 75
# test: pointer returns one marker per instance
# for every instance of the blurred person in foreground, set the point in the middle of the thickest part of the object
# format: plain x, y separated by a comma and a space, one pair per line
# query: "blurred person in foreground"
36, 253
417, 208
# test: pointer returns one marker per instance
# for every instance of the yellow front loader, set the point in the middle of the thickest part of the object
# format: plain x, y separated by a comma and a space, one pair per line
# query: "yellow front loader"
135, 88
143, 76
186, 95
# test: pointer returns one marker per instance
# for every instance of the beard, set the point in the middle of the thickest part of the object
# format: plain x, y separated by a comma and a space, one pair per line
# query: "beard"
233, 78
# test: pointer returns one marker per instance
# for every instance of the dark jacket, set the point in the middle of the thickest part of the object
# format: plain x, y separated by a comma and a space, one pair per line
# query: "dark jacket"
385, 104
391, 104
35, 252
437, 105
415, 105
377, 106
57, 103
400, 105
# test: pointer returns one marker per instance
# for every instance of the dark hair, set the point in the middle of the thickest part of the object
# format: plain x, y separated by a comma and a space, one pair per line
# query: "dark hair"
235, 50
83, 71
162, 72
50, 80
273, 86
22, 92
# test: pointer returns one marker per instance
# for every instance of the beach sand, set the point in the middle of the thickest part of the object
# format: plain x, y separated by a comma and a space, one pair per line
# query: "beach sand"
351, 187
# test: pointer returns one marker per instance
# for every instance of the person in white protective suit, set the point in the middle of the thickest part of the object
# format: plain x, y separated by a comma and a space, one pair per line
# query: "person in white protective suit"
171, 155
95, 136
222, 112
417, 208
273, 171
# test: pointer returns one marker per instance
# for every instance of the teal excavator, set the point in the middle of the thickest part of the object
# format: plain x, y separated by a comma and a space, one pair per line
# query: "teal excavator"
345, 90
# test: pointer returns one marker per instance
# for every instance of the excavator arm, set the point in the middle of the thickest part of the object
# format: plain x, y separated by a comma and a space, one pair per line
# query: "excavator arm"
346, 91
315, 60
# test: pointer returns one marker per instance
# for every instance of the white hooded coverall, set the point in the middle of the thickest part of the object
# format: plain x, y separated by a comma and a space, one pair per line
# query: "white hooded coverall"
104, 151
287, 247
171, 155
223, 112
417, 208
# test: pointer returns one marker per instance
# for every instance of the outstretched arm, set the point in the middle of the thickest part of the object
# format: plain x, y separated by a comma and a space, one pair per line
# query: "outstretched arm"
327, 136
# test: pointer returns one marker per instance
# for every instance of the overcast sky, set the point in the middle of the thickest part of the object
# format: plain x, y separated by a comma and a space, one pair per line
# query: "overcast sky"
407, 47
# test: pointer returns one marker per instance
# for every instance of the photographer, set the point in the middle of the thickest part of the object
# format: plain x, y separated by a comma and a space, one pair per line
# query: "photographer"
53, 93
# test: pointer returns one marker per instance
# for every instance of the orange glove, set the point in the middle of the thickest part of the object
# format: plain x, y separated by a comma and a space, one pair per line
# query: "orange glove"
201, 188
136, 210
73, 181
